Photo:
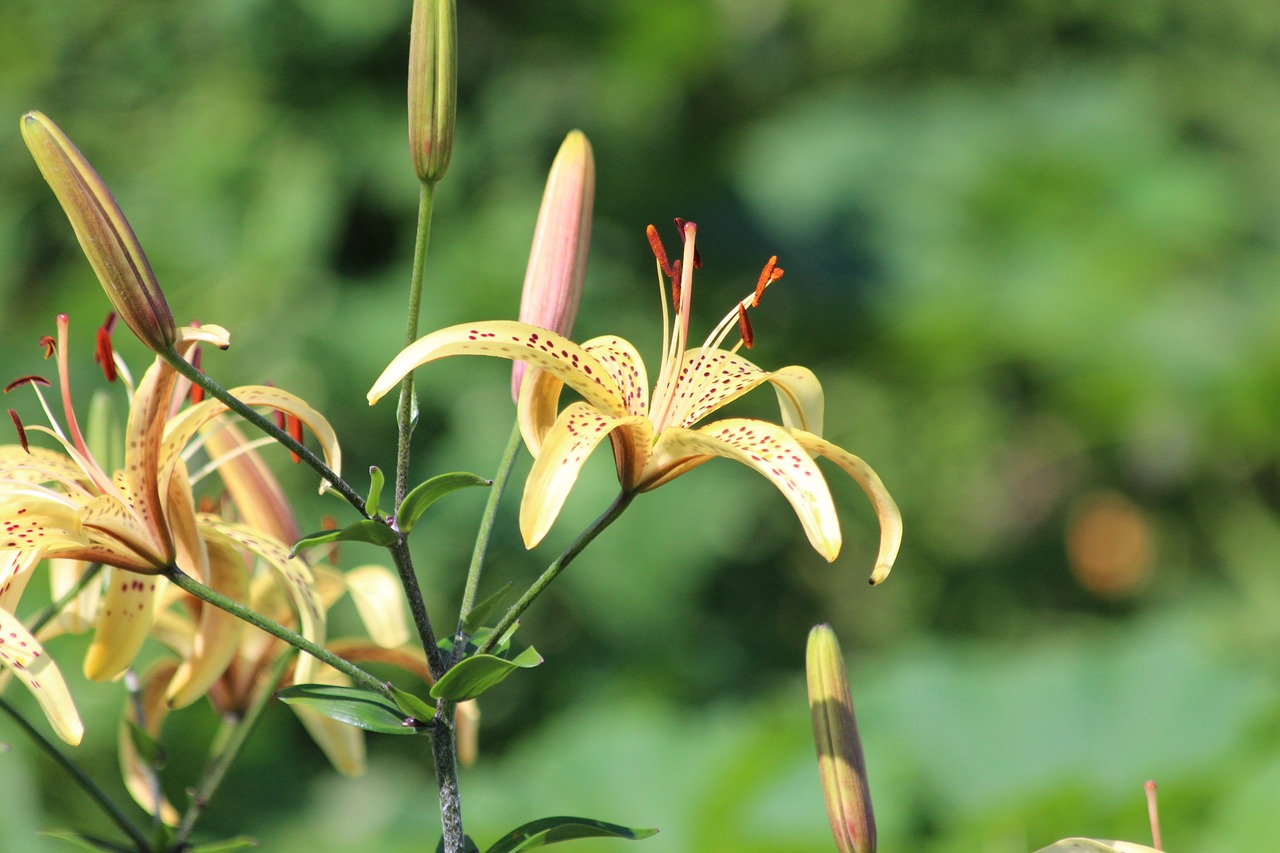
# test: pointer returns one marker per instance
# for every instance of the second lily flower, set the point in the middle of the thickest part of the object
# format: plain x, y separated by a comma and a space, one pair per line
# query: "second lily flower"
653, 436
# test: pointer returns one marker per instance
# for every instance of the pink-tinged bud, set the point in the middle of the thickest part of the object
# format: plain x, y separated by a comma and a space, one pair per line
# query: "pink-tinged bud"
558, 259
835, 732
433, 86
106, 238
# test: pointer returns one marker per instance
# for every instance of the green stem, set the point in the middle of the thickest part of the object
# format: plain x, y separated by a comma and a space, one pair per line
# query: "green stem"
56, 607
484, 535
405, 413
186, 583
213, 389
417, 607
444, 752
227, 744
73, 770
609, 516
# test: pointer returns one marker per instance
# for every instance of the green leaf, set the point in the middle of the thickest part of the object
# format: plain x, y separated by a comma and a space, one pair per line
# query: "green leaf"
354, 706
414, 706
376, 479
364, 530
425, 494
149, 750
474, 675
86, 842
226, 845
476, 618
550, 830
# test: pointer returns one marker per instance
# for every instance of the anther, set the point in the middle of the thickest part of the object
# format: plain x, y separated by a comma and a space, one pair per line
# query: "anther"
294, 426
744, 326
27, 380
49, 345
766, 278
659, 251
22, 433
103, 353
197, 393
677, 270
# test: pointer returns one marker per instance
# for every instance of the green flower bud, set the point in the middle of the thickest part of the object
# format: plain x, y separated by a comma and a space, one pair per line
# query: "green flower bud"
835, 732
558, 259
106, 238
433, 86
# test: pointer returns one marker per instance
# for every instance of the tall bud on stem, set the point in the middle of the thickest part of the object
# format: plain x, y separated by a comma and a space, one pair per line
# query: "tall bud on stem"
433, 86
105, 236
835, 732
558, 259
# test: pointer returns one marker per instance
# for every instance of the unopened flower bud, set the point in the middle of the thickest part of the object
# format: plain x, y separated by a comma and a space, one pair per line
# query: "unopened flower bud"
433, 86
558, 259
106, 238
835, 732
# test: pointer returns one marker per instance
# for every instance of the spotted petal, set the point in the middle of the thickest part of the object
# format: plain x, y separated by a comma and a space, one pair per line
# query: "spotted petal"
295, 575
767, 448
886, 509
508, 339
712, 378
185, 424
128, 610
216, 642
577, 432
23, 655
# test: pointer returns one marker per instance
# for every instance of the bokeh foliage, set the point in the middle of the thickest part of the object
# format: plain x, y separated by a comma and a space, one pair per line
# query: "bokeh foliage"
1031, 252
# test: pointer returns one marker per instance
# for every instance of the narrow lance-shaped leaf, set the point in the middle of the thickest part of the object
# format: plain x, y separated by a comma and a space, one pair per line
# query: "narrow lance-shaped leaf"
351, 705
475, 619
425, 494
376, 479
552, 830
364, 530
474, 675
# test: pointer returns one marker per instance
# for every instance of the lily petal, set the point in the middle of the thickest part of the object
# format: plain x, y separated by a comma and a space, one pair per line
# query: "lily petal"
342, 744
799, 397
625, 366
127, 613
511, 340
769, 449
77, 616
254, 490
886, 509
218, 638
23, 655
15, 571
577, 432
295, 575
185, 424
379, 600
139, 777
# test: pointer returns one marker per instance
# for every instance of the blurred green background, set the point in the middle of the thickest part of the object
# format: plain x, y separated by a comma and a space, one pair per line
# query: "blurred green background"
1031, 251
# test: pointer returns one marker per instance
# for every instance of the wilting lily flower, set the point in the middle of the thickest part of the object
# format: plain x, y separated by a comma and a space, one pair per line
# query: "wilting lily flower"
655, 436
835, 733
140, 520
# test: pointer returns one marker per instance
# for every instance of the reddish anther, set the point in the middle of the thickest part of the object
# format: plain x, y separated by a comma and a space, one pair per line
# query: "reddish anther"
27, 380
294, 426
197, 393
49, 345
659, 251
744, 326
22, 433
103, 352
677, 270
766, 279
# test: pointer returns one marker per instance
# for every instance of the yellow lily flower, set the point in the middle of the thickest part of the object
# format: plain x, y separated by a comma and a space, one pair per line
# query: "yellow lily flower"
655, 437
141, 519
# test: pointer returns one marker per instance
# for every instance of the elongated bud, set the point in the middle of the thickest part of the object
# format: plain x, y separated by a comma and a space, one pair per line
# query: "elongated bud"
433, 86
835, 732
106, 238
558, 259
